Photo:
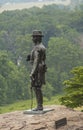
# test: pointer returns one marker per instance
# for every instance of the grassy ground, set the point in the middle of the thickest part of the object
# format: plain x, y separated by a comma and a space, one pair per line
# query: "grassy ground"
23, 105
26, 104
79, 109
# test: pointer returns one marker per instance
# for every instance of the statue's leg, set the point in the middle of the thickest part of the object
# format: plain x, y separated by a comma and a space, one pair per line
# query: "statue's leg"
39, 98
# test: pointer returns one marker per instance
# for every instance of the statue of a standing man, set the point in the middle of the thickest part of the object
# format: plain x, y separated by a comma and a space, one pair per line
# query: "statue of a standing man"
37, 59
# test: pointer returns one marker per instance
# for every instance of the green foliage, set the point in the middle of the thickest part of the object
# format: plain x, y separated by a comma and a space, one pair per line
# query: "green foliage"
13, 81
48, 91
62, 55
73, 96
26, 104
61, 29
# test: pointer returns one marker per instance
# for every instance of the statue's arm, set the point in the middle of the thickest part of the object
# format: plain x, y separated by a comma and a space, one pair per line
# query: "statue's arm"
35, 63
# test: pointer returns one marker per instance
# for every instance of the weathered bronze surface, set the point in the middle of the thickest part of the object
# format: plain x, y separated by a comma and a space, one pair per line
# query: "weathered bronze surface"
37, 59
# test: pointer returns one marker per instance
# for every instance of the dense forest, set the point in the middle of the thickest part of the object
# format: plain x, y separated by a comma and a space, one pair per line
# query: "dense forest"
61, 28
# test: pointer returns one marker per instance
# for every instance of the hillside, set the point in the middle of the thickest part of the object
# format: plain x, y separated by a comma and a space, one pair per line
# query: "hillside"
23, 5
19, 121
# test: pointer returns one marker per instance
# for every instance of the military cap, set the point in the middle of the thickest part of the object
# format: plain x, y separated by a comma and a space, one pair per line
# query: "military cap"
37, 33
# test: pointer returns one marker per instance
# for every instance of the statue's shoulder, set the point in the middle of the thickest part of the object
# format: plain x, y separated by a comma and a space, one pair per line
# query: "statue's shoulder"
41, 46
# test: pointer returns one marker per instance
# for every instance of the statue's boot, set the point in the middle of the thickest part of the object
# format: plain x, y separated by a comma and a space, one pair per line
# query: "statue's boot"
39, 99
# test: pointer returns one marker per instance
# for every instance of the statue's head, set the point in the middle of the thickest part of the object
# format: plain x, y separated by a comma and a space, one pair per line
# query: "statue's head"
37, 36
37, 33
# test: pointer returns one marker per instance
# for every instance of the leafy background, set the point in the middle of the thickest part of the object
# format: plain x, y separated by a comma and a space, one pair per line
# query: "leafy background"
62, 29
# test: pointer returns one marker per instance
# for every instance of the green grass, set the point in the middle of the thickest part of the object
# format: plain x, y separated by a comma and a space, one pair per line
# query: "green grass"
26, 104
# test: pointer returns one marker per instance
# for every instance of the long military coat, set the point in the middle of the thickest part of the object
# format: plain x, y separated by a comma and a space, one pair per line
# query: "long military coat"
38, 57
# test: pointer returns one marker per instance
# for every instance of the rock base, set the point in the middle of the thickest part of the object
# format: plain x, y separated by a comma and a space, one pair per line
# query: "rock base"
56, 117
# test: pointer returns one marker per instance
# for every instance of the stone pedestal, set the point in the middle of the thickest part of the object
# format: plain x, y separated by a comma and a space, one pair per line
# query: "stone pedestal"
31, 112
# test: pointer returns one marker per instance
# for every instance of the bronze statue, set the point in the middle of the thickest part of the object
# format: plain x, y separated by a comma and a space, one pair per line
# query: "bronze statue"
37, 59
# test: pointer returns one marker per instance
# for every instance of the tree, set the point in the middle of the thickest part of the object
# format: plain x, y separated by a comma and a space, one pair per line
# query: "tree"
14, 80
73, 96
3, 89
61, 37
62, 56
47, 91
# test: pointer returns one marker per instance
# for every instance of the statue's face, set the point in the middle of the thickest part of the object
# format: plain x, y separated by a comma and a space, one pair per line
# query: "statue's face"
36, 39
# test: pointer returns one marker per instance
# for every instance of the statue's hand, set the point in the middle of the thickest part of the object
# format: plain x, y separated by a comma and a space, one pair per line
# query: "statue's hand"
28, 58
